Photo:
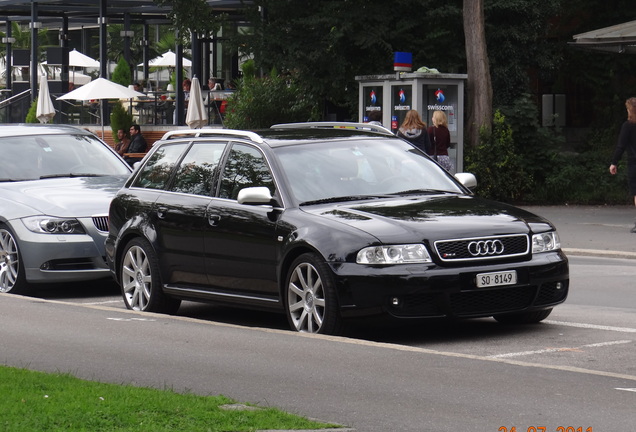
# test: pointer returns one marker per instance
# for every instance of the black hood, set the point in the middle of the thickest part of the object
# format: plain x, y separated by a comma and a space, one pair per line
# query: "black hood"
434, 218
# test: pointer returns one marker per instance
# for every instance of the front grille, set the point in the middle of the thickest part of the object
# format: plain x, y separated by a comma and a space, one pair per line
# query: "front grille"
69, 264
496, 300
459, 249
101, 223
465, 303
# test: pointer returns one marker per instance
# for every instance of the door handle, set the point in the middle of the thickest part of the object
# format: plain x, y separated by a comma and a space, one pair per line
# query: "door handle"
214, 219
161, 212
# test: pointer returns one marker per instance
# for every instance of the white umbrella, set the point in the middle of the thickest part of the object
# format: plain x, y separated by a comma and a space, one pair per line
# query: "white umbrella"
77, 59
197, 116
101, 89
168, 59
45, 110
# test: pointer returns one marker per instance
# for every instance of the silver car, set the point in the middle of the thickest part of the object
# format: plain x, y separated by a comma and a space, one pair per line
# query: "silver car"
56, 183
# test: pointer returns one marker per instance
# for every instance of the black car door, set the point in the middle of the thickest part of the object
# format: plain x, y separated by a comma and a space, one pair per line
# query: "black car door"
181, 217
240, 241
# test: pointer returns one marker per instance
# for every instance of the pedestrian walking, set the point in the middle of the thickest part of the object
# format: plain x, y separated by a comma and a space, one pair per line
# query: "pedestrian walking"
627, 143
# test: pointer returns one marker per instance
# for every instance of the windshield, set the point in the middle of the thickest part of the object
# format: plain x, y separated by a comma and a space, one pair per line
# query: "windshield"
34, 157
347, 169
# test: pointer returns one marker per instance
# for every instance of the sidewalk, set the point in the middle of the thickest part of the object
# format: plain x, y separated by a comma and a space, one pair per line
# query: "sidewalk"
593, 230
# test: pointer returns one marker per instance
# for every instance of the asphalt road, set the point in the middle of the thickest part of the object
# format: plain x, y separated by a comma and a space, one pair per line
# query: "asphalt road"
574, 370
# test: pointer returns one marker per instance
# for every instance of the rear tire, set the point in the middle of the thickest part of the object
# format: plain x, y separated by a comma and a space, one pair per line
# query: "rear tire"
140, 280
12, 274
310, 300
523, 317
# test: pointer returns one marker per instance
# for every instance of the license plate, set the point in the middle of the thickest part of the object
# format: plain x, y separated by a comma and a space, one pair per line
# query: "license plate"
496, 279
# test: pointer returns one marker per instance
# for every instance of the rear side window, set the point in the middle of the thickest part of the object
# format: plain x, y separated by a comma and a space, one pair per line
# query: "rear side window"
245, 167
198, 168
155, 173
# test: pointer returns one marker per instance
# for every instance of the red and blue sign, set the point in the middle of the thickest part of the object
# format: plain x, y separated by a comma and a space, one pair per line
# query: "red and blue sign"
403, 61
439, 95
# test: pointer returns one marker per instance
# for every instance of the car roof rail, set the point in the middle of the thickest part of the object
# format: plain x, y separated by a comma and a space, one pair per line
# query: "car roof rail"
211, 132
334, 125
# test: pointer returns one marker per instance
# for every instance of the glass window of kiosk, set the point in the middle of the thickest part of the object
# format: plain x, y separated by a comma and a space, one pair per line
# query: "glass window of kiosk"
401, 103
373, 99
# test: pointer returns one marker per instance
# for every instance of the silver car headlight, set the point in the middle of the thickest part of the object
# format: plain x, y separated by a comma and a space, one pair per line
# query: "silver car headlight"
394, 254
545, 242
53, 225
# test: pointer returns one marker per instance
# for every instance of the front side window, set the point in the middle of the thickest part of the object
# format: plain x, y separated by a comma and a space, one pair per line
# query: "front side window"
195, 174
156, 172
245, 167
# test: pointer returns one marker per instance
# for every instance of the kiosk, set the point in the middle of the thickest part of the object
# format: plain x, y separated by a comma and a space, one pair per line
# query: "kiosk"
395, 94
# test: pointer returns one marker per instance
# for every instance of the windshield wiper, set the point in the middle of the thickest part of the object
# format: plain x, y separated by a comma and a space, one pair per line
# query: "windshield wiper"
344, 198
423, 191
71, 175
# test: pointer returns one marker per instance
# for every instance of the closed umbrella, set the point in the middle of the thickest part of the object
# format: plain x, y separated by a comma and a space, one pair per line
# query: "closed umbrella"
101, 89
45, 110
197, 115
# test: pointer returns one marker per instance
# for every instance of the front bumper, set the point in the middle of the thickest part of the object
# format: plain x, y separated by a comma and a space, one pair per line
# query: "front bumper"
50, 258
429, 291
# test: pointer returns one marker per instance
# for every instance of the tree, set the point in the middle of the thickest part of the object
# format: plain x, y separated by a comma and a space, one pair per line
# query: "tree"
478, 85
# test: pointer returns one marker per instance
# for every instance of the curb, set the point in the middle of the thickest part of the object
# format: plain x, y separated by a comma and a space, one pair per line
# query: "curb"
599, 253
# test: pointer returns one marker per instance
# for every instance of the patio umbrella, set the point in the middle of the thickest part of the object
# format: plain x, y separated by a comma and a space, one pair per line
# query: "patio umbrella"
45, 110
101, 89
197, 115
168, 59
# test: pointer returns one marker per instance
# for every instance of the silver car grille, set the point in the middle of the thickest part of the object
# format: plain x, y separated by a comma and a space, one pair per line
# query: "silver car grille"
101, 223
480, 248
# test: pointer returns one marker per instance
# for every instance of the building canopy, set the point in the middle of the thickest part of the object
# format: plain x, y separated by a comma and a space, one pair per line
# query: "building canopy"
620, 38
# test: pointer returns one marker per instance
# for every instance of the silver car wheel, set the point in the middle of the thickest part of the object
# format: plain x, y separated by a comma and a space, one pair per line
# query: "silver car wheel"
136, 278
9, 261
306, 299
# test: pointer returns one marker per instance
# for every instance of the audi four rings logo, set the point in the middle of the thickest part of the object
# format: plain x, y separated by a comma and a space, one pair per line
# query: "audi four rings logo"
485, 247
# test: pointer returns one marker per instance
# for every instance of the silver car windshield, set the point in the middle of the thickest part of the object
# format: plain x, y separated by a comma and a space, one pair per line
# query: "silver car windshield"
349, 169
34, 157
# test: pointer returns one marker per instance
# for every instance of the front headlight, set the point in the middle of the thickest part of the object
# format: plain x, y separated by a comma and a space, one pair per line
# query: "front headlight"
53, 225
394, 254
545, 242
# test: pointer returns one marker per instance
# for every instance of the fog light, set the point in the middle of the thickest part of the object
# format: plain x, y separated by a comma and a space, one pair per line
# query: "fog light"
395, 301
559, 286
45, 266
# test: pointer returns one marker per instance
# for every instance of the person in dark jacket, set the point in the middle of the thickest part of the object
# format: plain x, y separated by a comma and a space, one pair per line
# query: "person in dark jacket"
137, 144
413, 129
627, 143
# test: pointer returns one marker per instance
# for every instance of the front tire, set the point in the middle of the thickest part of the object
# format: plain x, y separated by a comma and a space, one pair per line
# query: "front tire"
12, 274
523, 317
310, 297
140, 280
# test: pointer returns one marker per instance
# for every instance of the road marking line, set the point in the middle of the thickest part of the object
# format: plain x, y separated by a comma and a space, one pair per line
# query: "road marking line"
549, 350
592, 326
626, 389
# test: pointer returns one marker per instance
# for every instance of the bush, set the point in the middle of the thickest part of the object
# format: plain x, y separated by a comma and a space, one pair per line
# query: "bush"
496, 164
262, 102
31, 114
122, 74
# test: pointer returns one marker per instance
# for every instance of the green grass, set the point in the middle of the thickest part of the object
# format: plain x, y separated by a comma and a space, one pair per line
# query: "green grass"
36, 401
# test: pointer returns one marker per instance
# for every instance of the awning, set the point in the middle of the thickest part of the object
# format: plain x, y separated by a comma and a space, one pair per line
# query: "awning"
620, 38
